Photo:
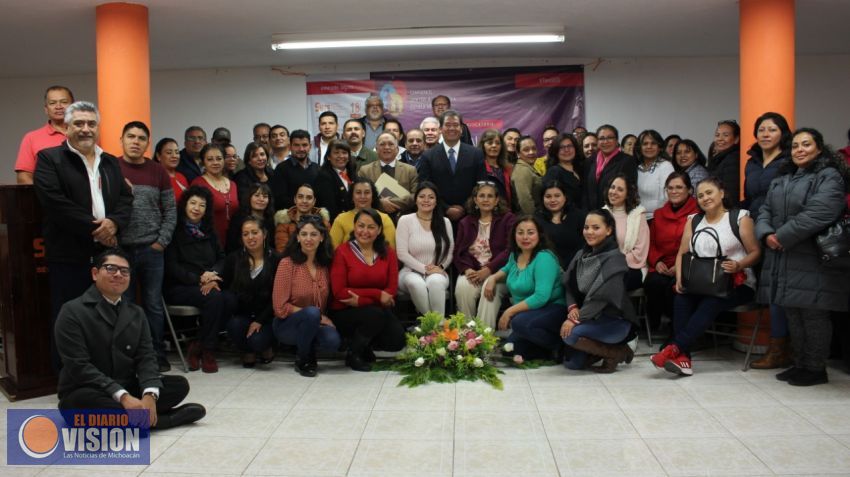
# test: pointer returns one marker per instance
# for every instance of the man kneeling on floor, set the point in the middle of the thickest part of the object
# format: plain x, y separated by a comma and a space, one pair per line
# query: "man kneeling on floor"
108, 360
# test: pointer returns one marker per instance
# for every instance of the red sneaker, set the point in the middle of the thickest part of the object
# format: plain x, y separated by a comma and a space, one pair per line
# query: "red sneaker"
680, 365
669, 352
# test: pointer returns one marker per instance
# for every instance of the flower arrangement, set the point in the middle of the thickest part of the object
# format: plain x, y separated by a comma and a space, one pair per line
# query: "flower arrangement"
447, 350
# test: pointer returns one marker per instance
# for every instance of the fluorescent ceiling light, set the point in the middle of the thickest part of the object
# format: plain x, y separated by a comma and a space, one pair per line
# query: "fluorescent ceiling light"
418, 37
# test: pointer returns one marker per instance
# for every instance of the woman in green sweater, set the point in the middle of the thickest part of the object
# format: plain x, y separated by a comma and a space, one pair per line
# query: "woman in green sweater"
533, 278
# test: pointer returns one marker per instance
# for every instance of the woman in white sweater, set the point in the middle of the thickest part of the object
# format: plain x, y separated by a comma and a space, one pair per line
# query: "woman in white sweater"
424, 244
632, 229
653, 170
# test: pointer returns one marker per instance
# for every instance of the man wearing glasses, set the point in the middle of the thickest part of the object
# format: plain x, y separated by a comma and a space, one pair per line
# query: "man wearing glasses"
194, 139
109, 361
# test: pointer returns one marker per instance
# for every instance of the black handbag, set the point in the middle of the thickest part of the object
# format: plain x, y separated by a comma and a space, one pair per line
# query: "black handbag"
705, 275
834, 244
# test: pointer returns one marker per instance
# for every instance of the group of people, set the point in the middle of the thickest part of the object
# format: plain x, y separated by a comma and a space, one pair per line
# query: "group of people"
311, 241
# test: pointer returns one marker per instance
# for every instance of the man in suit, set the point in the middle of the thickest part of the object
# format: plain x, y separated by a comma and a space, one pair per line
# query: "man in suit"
414, 147
439, 105
109, 361
293, 172
387, 163
454, 167
194, 139
85, 201
603, 167
328, 131
353, 133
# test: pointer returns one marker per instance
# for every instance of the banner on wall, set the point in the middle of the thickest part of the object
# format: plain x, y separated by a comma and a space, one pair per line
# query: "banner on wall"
527, 98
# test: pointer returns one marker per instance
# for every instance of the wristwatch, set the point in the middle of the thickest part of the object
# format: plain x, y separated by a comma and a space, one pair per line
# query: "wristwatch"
153, 395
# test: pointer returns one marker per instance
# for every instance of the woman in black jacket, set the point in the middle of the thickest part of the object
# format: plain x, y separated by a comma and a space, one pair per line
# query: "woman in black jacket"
257, 169
257, 203
770, 151
562, 221
335, 178
565, 164
249, 275
724, 158
193, 261
806, 197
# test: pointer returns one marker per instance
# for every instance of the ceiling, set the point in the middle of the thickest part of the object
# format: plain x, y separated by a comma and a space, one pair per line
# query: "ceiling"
57, 37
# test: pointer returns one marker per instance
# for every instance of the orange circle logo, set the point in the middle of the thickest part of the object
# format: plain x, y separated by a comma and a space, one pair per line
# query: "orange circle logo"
38, 436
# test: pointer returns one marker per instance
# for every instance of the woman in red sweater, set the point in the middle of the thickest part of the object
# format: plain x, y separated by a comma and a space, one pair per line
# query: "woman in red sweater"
364, 280
665, 235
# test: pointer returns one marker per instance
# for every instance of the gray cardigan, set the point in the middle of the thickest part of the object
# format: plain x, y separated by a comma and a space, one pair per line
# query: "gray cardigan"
799, 205
600, 273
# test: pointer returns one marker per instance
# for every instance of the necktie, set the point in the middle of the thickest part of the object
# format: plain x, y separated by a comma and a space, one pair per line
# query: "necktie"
452, 159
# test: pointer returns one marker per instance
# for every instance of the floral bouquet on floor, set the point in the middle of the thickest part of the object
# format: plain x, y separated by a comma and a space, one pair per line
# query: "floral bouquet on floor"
446, 350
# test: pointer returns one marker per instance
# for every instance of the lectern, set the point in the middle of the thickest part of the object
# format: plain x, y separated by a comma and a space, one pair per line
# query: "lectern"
25, 328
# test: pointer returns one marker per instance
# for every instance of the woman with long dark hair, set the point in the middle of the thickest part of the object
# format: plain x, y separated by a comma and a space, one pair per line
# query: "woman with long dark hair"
562, 221
167, 153
224, 192
364, 281
533, 278
193, 263
770, 151
363, 195
285, 220
632, 229
257, 169
249, 274
300, 296
256, 203
807, 196
599, 315
424, 243
688, 158
496, 163
525, 181
724, 160
653, 171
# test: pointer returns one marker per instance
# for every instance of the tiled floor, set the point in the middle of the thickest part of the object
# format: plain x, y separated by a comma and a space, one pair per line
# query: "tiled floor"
546, 422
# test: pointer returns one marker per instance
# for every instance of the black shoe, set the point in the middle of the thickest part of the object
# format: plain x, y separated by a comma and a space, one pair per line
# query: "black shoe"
369, 355
807, 377
305, 368
164, 365
788, 373
180, 415
267, 356
357, 363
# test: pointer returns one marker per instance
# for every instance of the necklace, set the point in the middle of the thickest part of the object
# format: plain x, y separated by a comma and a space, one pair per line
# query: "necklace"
422, 218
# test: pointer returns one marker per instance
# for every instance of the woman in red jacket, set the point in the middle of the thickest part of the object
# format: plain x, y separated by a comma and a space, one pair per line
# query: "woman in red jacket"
364, 280
665, 235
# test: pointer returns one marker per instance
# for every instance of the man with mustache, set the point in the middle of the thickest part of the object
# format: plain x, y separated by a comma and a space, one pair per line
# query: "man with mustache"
85, 202
52, 134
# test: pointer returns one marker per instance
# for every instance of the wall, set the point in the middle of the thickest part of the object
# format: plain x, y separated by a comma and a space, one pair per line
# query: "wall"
683, 95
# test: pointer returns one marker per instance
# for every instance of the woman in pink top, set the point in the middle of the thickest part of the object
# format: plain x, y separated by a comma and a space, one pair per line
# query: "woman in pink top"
167, 153
632, 230
225, 197
300, 295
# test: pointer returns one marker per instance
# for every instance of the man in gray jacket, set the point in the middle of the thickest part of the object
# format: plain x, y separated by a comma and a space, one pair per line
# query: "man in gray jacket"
108, 359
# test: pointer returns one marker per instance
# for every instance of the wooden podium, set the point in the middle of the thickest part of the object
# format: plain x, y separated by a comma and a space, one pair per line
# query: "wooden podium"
25, 328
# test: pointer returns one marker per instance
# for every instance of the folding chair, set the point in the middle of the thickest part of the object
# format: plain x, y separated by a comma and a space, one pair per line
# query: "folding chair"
178, 310
639, 297
747, 307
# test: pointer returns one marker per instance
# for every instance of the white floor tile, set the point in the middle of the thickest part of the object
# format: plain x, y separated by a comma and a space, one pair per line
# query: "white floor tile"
565, 397
237, 423
768, 420
330, 397
303, 457
742, 394
608, 457
498, 425
705, 456
587, 424
478, 396
322, 424
208, 455
429, 397
832, 419
675, 422
528, 458
801, 454
393, 458
651, 396
407, 425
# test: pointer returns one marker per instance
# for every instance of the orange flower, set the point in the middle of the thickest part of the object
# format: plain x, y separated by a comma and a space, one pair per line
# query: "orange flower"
450, 335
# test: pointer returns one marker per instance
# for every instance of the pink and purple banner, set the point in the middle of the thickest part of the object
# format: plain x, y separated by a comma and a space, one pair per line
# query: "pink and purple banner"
528, 98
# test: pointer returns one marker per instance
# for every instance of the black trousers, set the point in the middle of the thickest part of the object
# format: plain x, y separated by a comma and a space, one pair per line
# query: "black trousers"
67, 281
658, 289
374, 325
174, 389
216, 309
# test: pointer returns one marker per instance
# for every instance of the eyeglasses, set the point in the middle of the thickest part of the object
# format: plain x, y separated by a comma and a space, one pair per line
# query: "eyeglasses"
115, 270
309, 219
486, 183
566, 147
606, 138
196, 138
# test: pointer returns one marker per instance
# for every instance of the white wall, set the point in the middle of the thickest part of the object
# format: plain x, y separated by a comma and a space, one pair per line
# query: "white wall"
683, 95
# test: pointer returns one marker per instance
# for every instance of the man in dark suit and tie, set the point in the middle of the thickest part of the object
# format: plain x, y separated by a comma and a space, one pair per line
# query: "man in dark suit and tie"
454, 167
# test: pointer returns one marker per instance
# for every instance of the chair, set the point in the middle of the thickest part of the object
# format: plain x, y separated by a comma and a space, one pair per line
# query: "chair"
747, 307
178, 310
638, 296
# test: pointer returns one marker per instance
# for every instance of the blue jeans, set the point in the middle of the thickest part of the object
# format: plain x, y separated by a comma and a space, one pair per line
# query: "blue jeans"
303, 329
148, 266
237, 328
537, 333
693, 314
606, 329
778, 322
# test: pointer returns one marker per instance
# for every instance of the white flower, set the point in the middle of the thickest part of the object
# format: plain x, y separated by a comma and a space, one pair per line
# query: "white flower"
417, 329
509, 347
441, 351
488, 330
471, 324
459, 357
478, 363
419, 362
